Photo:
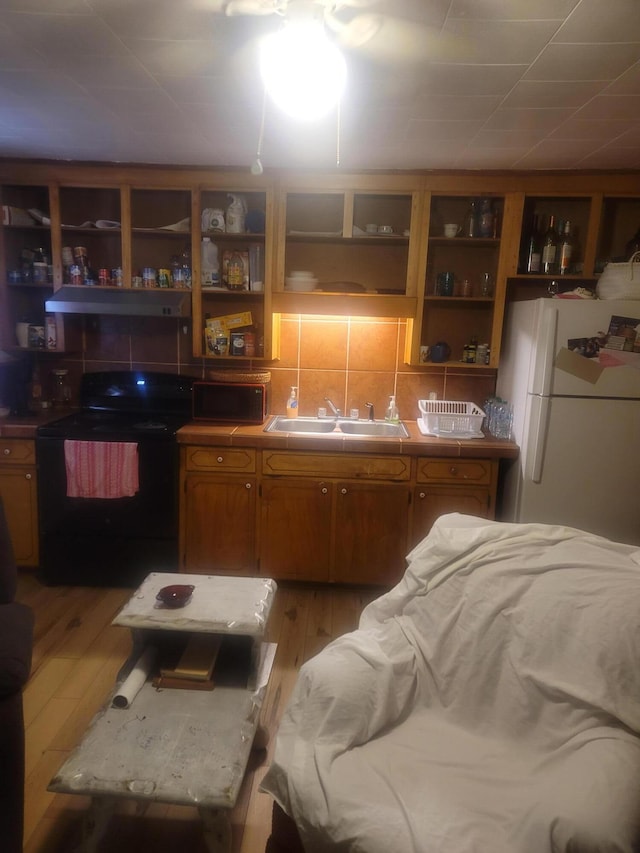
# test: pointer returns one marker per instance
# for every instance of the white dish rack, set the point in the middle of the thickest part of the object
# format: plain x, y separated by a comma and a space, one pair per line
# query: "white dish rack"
450, 419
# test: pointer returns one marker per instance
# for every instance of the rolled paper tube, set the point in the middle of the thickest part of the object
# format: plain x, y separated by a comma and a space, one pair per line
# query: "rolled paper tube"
134, 682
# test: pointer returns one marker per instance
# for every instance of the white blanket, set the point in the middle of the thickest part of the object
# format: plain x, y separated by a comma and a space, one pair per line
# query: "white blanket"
489, 703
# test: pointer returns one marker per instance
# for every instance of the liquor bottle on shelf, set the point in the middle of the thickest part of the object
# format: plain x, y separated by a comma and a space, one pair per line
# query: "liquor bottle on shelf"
533, 258
549, 247
632, 246
565, 250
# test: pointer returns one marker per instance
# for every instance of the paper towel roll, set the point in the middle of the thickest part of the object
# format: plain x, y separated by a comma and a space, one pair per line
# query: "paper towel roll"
134, 682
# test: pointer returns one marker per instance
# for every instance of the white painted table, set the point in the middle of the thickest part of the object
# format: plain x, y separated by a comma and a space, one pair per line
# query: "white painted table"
177, 746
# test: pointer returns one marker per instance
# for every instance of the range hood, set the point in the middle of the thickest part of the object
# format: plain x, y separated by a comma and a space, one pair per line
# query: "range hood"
126, 301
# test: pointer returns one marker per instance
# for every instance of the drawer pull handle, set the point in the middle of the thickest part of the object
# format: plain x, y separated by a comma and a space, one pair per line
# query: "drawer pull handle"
324, 490
27, 476
247, 485
422, 495
220, 459
453, 470
7, 451
343, 491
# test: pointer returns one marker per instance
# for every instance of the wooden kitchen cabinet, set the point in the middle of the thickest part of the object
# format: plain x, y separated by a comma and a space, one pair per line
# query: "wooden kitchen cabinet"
218, 510
295, 525
474, 312
347, 524
322, 227
18, 490
446, 485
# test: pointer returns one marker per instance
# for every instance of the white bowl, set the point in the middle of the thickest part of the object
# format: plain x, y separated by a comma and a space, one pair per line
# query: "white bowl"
300, 283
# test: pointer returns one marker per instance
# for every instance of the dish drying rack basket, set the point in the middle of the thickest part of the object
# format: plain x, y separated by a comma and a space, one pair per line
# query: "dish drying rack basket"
449, 417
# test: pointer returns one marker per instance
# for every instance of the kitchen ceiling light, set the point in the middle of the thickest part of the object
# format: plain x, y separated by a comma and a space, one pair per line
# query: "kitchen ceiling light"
303, 71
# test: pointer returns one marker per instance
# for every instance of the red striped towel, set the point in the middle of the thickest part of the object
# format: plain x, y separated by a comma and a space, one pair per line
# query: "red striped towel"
101, 469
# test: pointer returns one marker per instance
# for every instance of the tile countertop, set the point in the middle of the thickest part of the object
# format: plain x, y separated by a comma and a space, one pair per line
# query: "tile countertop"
254, 436
416, 445
25, 426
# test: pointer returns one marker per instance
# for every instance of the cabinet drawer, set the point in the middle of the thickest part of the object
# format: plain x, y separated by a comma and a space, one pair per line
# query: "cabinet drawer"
220, 459
477, 471
282, 463
17, 451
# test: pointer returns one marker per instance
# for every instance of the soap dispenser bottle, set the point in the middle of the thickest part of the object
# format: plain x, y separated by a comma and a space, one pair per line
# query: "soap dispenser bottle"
392, 415
292, 403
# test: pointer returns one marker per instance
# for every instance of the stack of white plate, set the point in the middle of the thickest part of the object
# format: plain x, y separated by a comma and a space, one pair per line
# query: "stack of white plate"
301, 281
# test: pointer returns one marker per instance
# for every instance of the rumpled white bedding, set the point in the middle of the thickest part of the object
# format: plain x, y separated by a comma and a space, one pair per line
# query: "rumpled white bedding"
489, 703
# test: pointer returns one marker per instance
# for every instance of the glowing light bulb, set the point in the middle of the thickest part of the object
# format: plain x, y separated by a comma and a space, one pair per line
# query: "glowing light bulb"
304, 73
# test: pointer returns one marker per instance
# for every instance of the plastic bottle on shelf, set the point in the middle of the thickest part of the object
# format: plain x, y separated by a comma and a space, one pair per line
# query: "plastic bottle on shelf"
210, 266
185, 263
292, 402
392, 414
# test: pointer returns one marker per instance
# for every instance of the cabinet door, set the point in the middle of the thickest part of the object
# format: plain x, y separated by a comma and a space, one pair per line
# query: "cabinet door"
19, 496
295, 537
371, 525
430, 502
219, 524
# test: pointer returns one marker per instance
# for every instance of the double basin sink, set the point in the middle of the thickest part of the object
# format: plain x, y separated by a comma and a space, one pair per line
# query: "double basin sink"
342, 426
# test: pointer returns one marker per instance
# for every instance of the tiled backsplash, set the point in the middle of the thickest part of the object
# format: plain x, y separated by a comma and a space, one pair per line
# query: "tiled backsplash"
351, 360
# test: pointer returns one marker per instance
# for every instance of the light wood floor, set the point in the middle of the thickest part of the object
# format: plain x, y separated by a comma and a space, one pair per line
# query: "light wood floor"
76, 656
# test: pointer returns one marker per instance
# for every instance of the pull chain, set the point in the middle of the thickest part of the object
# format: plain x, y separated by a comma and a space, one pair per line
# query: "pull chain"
256, 166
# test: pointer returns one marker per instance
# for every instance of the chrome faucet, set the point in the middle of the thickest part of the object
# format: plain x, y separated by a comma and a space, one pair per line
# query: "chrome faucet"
372, 416
335, 411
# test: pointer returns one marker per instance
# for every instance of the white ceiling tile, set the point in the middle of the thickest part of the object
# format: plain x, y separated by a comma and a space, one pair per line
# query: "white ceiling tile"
605, 107
560, 151
538, 120
512, 10
506, 139
470, 80
602, 21
490, 158
529, 94
129, 102
113, 72
571, 62
39, 84
423, 130
627, 84
576, 128
515, 42
445, 107
51, 34
182, 58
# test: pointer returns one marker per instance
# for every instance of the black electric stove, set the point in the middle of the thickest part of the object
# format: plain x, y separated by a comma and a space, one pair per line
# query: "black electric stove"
120, 404
114, 541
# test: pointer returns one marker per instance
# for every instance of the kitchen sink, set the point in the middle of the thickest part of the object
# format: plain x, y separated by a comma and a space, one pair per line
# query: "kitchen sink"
280, 423
382, 428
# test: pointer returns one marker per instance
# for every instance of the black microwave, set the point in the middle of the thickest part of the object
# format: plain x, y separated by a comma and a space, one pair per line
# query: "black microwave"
231, 402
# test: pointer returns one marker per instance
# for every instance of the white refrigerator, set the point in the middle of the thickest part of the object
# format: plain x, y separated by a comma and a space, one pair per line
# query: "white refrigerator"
576, 419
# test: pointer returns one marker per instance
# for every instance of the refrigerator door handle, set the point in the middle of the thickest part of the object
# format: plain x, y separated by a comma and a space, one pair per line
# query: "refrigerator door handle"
539, 422
546, 326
